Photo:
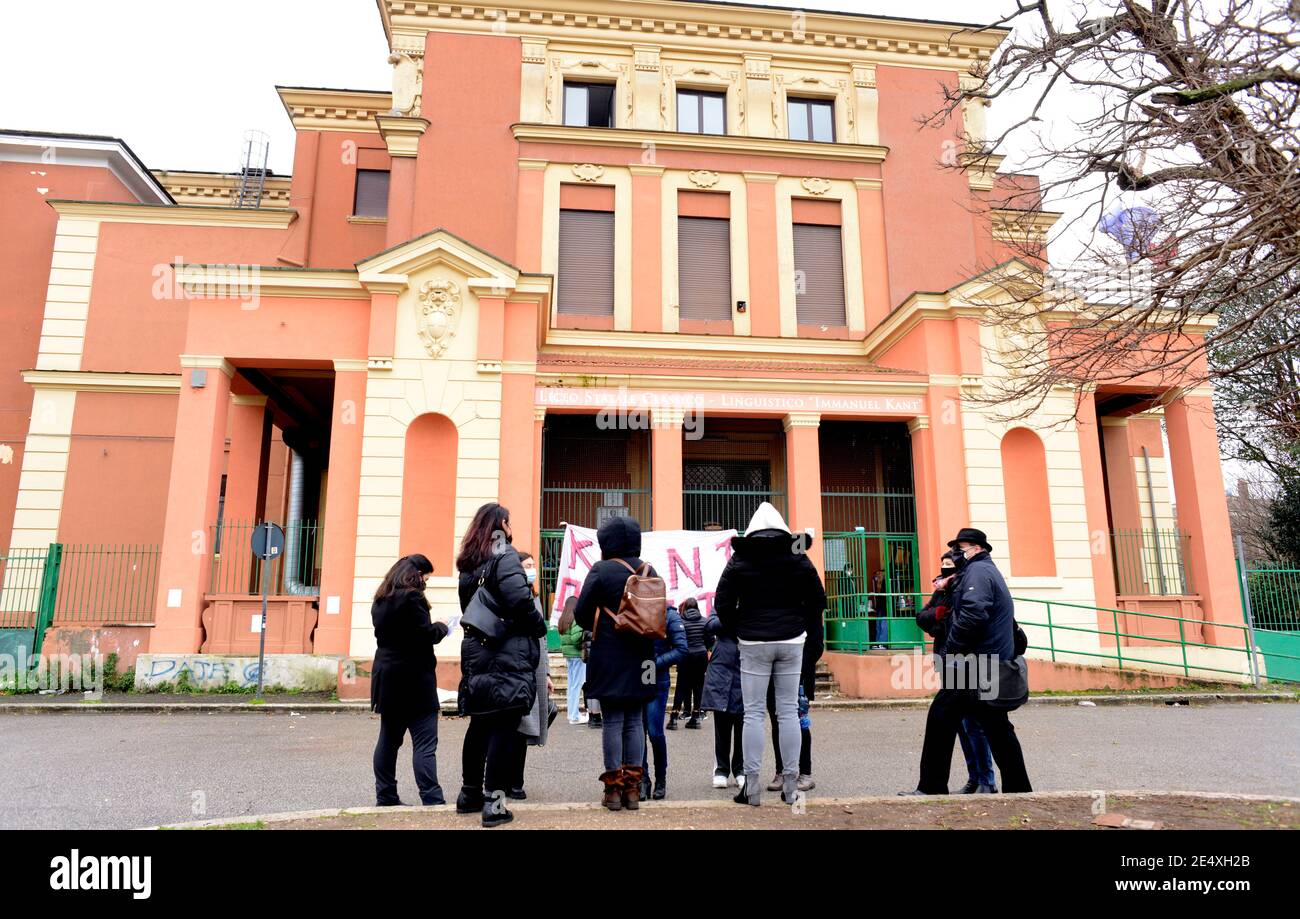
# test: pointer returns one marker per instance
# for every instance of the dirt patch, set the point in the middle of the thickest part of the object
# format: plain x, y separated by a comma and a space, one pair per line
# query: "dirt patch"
983, 812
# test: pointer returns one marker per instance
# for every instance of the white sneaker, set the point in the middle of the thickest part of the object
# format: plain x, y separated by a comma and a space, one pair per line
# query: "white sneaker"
581, 719
719, 781
740, 783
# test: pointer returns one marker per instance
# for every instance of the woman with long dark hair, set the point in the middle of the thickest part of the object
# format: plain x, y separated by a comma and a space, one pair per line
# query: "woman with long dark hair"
498, 682
403, 680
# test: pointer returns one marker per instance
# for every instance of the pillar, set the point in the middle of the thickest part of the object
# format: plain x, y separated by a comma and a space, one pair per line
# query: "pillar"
924, 487
804, 478
647, 243
402, 135
539, 428
947, 444
342, 504
875, 257
666, 467
521, 460
194, 487
1203, 512
1094, 499
764, 268
1121, 479
250, 444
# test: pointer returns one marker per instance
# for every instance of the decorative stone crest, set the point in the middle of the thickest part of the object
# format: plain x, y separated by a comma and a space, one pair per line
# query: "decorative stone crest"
703, 178
439, 315
816, 186
588, 172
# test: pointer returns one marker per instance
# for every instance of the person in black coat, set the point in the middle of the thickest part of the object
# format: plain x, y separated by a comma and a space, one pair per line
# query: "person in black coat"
722, 697
772, 596
403, 680
934, 620
498, 682
981, 629
690, 671
620, 665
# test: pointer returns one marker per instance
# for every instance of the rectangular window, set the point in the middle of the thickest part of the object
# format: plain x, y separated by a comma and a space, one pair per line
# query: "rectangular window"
589, 105
704, 268
811, 119
819, 275
585, 278
701, 112
371, 198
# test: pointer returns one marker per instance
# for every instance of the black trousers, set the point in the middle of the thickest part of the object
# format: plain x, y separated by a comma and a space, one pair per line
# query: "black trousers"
805, 738
492, 756
424, 756
947, 710
728, 756
521, 758
690, 682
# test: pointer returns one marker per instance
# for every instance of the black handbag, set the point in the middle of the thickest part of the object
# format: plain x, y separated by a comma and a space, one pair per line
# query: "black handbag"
1013, 685
483, 614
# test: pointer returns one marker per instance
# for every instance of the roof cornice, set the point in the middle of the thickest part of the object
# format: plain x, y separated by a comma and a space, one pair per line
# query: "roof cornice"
352, 110
177, 215
719, 143
735, 27
79, 150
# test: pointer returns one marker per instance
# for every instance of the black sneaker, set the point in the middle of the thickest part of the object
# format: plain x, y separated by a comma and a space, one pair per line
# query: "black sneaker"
517, 794
495, 815
594, 721
672, 722
693, 722
969, 788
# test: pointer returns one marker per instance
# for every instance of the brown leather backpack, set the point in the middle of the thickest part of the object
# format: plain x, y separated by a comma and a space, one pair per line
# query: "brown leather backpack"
644, 607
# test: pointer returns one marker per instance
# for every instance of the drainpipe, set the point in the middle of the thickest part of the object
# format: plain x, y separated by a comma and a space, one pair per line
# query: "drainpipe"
293, 585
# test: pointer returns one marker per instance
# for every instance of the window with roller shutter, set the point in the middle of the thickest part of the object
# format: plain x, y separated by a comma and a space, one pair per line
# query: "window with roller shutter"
371, 198
704, 268
819, 275
585, 278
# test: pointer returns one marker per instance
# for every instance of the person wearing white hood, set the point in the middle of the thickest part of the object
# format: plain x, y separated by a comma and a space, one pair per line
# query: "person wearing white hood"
772, 596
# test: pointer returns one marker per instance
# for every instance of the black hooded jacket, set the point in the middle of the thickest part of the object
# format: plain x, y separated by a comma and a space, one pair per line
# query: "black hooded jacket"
501, 675
770, 591
617, 662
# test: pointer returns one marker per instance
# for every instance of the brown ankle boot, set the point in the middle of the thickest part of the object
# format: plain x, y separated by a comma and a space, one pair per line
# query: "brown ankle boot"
613, 789
632, 787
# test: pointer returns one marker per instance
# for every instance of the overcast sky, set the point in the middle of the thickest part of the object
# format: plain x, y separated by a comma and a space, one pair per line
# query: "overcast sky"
180, 81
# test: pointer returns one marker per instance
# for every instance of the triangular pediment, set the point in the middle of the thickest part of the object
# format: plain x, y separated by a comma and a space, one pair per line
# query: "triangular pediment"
393, 268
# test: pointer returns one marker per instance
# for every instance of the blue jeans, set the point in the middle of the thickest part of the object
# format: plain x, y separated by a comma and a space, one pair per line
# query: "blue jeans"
975, 747
577, 676
622, 733
655, 710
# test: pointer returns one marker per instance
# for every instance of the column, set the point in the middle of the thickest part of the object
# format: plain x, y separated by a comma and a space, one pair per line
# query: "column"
924, 486
666, 467
647, 243
764, 268
539, 428
1203, 511
875, 257
804, 477
250, 443
521, 460
402, 134
194, 487
1094, 497
1121, 480
950, 497
342, 504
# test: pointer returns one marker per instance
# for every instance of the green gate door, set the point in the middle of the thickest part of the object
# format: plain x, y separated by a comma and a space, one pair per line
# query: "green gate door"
29, 580
873, 591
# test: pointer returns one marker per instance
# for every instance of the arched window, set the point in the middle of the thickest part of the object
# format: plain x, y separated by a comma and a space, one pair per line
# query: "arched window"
1029, 506
429, 492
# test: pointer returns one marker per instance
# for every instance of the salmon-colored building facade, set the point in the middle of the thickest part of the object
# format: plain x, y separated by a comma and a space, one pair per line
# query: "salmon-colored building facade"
587, 258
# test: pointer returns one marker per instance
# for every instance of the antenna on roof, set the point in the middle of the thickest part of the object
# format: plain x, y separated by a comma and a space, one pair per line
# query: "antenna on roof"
251, 183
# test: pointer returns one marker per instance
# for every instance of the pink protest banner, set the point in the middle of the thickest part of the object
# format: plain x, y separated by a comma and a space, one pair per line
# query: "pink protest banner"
689, 561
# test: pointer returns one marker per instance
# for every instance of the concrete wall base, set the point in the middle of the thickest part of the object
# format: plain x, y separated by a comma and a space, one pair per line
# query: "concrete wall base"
306, 672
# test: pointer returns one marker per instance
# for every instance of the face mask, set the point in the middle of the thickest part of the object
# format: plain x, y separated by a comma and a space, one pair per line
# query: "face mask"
959, 558
531, 574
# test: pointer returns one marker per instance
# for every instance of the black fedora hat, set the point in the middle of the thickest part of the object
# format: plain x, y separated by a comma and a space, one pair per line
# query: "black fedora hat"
966, 534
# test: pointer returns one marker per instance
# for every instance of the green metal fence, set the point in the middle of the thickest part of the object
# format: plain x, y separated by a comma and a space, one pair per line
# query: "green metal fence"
725, 508
1274, 598
235, 570
872, 591
1151, 562
872, 511
107, 584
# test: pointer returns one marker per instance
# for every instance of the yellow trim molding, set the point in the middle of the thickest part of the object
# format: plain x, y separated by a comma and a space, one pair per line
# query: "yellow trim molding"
352, 110
168, 215
102, 381
697, 143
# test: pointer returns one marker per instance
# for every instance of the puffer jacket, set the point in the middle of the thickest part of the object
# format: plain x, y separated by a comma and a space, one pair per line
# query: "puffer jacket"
571, 641
722, 678
670, 650
694, 623
770, 590
501, 675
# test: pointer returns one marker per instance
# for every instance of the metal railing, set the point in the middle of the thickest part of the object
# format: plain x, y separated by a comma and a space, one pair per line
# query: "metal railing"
860, 622
872, 511
725, 508
1275, 598
24, 576
107, 584
235, 570
1151, 563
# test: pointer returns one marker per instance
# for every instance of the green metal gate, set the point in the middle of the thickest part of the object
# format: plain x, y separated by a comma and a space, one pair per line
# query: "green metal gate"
873, 590
29, 581
1275, 614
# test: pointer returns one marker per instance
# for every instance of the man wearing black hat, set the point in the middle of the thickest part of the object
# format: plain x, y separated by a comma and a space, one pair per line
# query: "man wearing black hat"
981, 630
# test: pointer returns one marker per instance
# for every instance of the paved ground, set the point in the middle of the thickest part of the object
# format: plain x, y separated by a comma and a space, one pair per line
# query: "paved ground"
107, 770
